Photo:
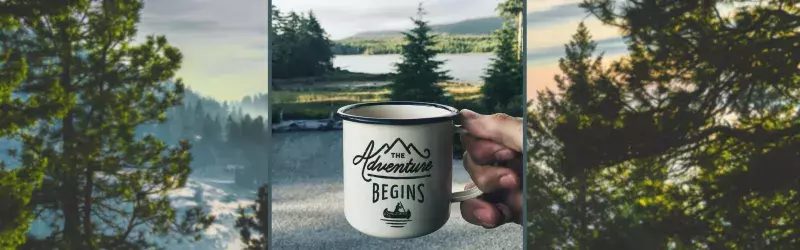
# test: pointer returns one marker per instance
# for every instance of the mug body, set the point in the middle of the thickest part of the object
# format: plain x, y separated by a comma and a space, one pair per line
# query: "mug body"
397, 172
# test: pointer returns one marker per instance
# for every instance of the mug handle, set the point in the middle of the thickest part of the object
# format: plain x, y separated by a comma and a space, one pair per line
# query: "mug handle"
471, 193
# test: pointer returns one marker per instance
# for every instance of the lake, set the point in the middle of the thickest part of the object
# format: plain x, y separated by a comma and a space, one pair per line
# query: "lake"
463, 67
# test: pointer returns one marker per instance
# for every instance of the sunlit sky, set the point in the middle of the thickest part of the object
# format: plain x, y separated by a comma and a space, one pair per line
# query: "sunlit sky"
223, 43
551, 23
343, 18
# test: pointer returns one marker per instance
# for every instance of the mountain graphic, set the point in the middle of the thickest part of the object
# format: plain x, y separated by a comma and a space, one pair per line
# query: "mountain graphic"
386, 147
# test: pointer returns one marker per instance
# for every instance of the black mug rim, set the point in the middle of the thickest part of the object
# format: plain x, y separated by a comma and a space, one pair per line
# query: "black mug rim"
395, 121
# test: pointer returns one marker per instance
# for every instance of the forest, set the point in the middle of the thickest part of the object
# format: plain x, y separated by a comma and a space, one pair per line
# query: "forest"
691, 141
98, 131
450, 44
300, 47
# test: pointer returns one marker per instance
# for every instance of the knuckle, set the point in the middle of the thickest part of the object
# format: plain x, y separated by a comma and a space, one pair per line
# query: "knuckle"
483, 181
501, 117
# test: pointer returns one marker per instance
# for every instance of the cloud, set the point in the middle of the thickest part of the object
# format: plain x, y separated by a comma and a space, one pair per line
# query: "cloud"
555, 14
541, 77
560, 33
223, 43
540, 5
551, 54
347, 17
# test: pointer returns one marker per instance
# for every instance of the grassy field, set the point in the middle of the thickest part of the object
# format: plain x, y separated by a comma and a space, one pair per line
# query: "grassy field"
317, 104
337, 77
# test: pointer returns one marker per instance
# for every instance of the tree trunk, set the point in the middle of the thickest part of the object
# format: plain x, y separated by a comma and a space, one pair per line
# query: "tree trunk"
87, 207
69, 190
520, 32
583, 239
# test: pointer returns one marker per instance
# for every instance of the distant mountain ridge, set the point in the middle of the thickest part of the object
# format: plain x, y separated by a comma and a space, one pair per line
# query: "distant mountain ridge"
476, 26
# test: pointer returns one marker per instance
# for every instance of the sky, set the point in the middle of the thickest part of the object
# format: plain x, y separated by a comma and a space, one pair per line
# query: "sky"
550, 25
223, 43
344, 18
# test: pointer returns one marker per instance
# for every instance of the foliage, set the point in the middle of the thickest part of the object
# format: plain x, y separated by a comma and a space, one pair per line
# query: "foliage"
246, 139
299, 46
255, 221
502, 90
97, 171
690, 142
476, 26
418, 72
445, 43
215, 131
18, 112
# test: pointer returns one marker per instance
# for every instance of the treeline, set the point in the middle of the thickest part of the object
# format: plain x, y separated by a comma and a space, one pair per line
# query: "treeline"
418, 72
686, 143
222, 135
102, 130
300, 47
450, 44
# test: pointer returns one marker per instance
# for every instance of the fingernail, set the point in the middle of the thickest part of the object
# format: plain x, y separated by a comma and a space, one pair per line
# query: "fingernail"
482, 215
505, 211
469, 114
508, 181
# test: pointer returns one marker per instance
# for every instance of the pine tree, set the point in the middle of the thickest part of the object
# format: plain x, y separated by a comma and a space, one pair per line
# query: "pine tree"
513, 11
16, 185
255, 221
567, 154
22, 104
684, 143
319, 46
97, 170
419, 72
502, 90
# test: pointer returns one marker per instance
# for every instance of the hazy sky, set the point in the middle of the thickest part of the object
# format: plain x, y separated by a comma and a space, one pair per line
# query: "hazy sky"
343, 18
223, 43
551, 23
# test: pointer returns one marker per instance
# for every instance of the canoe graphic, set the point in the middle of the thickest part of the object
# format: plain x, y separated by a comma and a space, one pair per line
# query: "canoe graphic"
399, 212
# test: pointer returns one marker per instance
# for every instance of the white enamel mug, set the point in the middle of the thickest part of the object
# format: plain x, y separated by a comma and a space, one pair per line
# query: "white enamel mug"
398, 167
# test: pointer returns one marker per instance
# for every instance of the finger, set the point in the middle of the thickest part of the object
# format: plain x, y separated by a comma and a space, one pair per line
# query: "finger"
490, 178
505, 211
481, 213
514, 202
500, 128
469, 185
516, 164
486, 151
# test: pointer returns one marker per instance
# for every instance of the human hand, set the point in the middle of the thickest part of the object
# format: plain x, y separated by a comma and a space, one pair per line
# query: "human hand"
493, 160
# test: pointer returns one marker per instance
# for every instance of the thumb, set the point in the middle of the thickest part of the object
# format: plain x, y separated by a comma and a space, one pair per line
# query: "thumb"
500, 128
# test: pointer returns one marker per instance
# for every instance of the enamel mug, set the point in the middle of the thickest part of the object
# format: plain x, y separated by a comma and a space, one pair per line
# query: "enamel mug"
398, 167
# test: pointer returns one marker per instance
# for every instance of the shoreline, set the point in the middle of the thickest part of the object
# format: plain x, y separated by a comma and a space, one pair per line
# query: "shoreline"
396, 54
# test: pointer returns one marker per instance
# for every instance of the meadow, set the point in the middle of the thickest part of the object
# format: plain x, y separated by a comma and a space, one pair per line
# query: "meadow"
318, 101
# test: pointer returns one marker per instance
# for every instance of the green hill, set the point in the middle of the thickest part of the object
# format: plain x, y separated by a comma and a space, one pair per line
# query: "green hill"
477, 26
468, 36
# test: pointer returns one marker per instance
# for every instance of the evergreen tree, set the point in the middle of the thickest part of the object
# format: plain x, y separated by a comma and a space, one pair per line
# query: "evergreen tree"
116, 86
565, 162
419, 72
502, 90
683, 144
22, 104
255, 221
319, 46
300, 47
513, 11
